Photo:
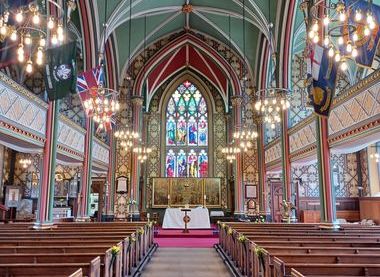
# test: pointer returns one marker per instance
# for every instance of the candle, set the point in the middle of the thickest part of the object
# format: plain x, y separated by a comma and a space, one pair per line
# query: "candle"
168, 196
204, 197
148, 215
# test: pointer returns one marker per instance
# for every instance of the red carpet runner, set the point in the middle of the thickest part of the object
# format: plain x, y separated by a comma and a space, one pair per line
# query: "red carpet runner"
195, 239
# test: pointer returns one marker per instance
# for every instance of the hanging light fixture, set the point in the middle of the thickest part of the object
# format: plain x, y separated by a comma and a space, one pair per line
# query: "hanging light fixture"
272, 101
25, 163
28, 26
245, 134
344, 27
102, 103
231, 153
142, 153
102, 106
127, 138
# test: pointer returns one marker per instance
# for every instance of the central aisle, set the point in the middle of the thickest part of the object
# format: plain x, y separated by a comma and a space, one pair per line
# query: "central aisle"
186, 262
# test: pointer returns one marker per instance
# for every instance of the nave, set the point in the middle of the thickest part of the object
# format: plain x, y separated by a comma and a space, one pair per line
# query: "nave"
177, 137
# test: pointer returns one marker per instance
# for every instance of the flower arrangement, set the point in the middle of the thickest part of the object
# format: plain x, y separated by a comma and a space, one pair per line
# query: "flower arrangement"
131, 201
140, 231
115, 250
260, 219
230, 231
242, 238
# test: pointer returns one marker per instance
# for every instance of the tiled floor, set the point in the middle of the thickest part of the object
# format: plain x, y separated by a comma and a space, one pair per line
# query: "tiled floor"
186, 262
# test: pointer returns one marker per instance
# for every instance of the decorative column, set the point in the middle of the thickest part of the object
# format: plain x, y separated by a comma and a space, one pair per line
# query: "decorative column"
84, 203
239, 194
111, 184
144, 167
286, 169
326, 192
137, 102
46, 190
261, 166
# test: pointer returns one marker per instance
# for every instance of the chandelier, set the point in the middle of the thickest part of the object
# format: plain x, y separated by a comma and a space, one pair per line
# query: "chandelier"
25, 163
102, 106
29, 26
127, 138
142, 153
231, 152
343, 27
271, 103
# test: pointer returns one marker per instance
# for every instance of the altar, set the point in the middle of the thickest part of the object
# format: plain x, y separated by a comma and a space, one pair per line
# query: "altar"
199, 219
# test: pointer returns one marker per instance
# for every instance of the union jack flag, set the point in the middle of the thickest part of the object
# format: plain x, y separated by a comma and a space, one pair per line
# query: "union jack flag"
89, 81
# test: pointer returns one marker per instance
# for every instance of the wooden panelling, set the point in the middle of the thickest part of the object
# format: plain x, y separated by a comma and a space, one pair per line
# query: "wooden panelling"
370, 208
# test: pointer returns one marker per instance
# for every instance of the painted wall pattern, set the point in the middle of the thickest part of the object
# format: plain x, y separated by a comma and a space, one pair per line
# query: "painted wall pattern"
363, 106
71, 137
273, 152
302, 138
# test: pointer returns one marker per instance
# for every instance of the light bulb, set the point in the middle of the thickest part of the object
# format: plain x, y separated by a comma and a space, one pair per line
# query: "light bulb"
28, 39
337, 56
340, 40
316, 39
342, 16
3, 30
326, 20
331, 52
39, 61
19, 16
349, 47
372, 25
42, 42
354, 52
54, 39
39, 53
355, 37
14, 35
60, 29
311, 34
358, 15
50, 23
20, 50
315, 27
369, 18
36, 19
61, 37
366, 31
344, 66
326, 41
273, 126
274, 101
29, 67
21, 58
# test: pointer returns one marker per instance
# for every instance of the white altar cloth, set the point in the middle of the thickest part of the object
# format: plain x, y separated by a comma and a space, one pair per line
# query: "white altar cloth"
199, 219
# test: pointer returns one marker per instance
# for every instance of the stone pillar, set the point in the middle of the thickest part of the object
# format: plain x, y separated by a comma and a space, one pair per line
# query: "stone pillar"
84, 203
144, 167
137, 102
111, 183
46, 190
326, 192
239, 189
261, 167
286, 169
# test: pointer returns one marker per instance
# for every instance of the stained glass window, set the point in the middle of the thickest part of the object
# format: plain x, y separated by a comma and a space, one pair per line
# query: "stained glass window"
186, 133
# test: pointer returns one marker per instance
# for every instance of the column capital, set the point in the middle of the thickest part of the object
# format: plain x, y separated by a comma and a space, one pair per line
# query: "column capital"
237, 100
137, 100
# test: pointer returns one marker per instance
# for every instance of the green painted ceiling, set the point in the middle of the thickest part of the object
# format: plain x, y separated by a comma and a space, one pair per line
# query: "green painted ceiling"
210, 17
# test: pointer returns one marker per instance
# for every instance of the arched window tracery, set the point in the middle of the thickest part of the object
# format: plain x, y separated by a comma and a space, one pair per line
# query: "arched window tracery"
186, 134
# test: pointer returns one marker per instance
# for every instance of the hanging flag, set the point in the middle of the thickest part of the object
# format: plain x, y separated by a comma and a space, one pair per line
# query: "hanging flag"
88, 83
60, 71
366, 45
321, 73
